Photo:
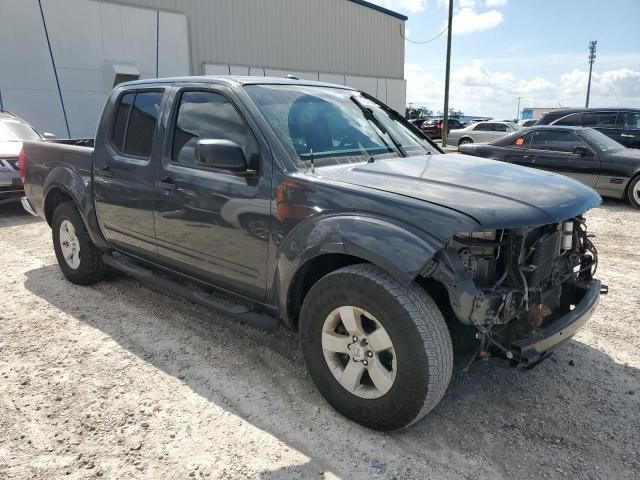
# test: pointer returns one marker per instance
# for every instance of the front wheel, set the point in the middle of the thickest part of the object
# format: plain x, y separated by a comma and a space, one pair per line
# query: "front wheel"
465, 141
634, 192
378, 351
79, 259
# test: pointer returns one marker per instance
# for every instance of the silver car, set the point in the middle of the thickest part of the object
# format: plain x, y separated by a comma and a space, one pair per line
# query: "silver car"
481, 132
13, 131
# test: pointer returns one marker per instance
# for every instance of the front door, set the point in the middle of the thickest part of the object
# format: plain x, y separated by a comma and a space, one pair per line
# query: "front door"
555, 150
123, 170
213, 225
516, 151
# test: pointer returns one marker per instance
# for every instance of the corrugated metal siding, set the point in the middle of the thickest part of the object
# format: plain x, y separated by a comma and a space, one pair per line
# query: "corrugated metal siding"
332, 36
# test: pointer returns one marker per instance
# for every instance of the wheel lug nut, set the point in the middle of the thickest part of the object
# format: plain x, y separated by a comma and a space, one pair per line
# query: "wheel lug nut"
355, 339
369, 354
365, 363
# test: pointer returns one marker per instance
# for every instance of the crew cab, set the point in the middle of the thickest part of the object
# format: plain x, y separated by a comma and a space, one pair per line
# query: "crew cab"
315, 206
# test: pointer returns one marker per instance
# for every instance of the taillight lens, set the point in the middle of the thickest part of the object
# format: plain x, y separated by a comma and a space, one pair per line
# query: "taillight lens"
23, 161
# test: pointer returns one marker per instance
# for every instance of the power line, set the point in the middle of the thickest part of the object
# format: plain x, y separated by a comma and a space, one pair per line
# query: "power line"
426, 41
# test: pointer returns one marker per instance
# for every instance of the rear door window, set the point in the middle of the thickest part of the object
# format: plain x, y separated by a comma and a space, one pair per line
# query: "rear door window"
522, 142
500, 127
135, 122
483, 127
601, 119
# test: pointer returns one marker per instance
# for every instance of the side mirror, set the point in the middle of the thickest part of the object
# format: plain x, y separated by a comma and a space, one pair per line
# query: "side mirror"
48, 136
220, 154
582, 151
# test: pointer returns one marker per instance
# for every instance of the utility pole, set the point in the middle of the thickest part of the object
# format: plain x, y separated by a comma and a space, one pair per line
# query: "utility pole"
445, 119
518, 111
592, 57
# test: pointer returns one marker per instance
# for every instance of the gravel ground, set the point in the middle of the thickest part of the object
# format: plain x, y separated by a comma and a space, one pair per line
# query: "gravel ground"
120, 381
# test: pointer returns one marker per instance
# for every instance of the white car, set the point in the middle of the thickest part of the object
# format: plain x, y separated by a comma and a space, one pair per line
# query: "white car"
481, 132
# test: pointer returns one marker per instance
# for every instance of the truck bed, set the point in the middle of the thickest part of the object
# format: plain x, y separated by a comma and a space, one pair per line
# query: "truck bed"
42, 158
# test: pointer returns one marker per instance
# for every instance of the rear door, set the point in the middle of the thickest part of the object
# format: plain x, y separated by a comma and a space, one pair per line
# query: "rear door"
210, 224
605, 122
483, 132
124, 159
554, 150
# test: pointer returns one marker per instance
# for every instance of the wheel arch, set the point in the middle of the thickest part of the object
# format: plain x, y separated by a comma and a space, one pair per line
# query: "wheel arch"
64, 184
320, 247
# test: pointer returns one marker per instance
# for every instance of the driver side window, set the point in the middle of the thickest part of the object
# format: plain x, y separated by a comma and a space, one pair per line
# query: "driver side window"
209, 115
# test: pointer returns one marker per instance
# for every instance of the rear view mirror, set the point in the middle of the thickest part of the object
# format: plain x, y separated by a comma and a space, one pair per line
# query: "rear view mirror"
582, 151
48, 136
220, 154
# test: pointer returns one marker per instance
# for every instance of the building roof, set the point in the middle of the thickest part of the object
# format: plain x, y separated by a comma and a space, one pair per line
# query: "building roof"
380, 9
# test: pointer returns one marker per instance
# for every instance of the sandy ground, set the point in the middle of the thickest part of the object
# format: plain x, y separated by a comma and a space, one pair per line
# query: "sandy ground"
119, 381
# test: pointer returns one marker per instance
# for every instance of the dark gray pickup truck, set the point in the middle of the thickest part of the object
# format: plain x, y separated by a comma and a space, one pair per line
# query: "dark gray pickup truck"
314, 205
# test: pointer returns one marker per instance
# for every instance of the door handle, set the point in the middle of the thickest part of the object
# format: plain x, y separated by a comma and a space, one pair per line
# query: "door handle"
166, 184
104, 172
627, 135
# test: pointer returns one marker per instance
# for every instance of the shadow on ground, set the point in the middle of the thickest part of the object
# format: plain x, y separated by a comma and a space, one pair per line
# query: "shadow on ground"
577, 413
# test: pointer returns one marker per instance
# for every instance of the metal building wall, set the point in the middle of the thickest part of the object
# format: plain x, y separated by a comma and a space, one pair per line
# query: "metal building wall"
330, 36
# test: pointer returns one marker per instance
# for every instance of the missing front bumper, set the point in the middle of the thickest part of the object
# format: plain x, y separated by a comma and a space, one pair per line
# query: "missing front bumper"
530, 350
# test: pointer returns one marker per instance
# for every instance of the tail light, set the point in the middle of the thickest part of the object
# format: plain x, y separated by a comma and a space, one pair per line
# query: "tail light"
23, 162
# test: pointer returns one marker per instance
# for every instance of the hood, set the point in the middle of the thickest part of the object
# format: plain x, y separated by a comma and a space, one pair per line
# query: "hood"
495, 194
10, 149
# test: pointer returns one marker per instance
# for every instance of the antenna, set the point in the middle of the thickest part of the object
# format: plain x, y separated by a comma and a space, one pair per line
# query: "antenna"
313, 168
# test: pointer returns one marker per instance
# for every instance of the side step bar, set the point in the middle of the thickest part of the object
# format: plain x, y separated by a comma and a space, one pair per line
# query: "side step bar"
240, 312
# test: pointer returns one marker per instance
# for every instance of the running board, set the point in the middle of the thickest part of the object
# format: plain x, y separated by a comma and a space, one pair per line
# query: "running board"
240, 312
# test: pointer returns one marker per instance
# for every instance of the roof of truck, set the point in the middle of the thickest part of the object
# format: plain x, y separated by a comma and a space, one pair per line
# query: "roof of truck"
231, 79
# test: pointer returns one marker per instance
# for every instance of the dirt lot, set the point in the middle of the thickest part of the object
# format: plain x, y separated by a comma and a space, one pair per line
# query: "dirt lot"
119, 381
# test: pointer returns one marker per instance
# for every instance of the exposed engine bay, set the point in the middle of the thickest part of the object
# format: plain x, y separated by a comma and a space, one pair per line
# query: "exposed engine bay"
511, 283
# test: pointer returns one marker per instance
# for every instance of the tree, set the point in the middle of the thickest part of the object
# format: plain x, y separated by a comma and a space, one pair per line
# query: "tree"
453, 113
417, 112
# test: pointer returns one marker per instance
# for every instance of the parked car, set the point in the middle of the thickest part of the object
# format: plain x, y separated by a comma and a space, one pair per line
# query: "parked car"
527, 123
581, 153
620, 124
417, 122
13, 131
373, 235
433, 128
481, 132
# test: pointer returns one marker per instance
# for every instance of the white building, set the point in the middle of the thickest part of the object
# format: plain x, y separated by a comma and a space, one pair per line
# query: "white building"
60, 58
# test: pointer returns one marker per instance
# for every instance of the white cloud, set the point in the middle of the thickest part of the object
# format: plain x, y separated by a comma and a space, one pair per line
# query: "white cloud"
478, 90
467, 20
495, 3
413, 6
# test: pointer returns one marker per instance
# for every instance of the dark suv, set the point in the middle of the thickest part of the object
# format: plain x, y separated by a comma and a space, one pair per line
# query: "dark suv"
620, 124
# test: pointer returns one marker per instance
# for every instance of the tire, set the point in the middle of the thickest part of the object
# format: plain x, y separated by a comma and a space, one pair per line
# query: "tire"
465, 141
421, 346
257, 226
633, 192
86, 267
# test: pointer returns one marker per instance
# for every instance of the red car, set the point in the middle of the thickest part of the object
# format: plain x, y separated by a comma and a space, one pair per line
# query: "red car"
433, 128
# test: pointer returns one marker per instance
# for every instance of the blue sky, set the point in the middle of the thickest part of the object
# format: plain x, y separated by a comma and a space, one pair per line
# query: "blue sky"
503, 49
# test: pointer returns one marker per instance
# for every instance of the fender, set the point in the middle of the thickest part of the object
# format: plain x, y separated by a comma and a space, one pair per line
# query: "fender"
396, 249
66, 179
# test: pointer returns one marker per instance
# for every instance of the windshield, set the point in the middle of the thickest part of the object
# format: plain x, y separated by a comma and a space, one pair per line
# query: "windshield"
600, 140
15, 131
333, 126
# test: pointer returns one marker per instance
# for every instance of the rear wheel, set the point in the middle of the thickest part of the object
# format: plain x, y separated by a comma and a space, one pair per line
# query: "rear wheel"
465, 141
79, 259
634, 192
378, 351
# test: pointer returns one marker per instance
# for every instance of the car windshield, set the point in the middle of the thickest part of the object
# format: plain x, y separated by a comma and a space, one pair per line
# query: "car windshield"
15, 131
600, 140
332, 126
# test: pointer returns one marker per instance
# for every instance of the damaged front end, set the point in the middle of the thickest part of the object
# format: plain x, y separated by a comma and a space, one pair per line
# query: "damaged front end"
525, 290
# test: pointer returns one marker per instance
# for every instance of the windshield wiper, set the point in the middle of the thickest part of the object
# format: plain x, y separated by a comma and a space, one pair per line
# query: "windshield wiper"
368, 113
